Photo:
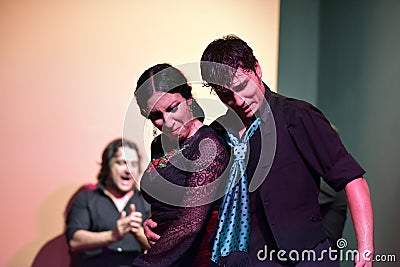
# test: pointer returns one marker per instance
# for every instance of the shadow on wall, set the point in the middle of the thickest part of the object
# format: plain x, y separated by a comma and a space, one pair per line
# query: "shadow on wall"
55, 252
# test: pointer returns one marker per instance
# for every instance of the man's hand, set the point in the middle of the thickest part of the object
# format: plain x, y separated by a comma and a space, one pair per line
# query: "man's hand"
136, 227
135, 220
148, 226
122, 226
364, 258
84, 240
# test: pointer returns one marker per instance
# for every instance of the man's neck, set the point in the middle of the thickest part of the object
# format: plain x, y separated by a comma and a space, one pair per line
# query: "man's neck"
120, 199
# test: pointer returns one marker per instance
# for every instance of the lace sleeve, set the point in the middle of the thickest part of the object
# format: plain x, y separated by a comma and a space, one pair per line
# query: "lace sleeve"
179, 237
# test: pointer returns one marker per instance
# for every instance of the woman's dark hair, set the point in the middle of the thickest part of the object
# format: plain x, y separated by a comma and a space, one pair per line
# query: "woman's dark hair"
109, 152
165, 79
230, 53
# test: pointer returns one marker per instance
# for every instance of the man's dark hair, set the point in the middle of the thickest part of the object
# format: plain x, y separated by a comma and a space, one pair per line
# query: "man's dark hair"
109, 152
230, 53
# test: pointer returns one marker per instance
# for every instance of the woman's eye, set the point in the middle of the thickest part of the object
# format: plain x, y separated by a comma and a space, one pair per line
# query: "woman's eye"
173, 108
154, 116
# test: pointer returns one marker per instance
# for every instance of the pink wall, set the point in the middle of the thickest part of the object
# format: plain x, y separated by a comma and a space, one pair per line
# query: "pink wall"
67, 71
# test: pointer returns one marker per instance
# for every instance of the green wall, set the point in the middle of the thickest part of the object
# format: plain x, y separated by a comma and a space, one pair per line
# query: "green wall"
344, 57
299, 49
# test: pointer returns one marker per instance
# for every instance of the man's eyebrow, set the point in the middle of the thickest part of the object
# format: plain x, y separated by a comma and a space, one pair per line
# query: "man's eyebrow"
242, 84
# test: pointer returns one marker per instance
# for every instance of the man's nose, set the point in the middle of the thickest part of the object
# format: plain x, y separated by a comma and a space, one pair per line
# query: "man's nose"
126, 168
239, 101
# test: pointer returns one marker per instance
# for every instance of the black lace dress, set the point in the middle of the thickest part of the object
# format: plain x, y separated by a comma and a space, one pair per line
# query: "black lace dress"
185, 227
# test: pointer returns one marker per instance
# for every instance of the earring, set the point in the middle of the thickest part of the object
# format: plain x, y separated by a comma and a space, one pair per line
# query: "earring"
190, 107
155, 131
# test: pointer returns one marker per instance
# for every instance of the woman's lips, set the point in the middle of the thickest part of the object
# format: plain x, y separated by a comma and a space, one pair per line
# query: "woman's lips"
176, 131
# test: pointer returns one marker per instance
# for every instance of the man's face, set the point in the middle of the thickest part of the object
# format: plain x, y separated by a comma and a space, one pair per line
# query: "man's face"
246, 93
120, 178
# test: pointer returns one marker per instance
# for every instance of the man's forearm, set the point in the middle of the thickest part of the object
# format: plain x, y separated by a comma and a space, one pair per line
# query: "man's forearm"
358, 197
83, 240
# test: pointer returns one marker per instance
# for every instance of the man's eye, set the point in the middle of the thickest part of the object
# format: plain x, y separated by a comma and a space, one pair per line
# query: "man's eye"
241, 86
135, 164
224, 92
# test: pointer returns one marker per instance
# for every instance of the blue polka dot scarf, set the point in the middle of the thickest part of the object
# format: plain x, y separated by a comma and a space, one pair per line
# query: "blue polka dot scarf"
234, 213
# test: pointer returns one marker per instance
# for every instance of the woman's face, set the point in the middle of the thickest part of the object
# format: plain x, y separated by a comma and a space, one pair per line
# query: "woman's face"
171, 114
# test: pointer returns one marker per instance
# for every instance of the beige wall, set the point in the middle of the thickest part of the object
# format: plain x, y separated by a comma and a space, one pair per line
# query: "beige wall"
67, 71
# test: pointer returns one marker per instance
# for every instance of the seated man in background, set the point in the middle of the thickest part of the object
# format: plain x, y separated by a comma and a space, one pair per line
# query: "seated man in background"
104, 225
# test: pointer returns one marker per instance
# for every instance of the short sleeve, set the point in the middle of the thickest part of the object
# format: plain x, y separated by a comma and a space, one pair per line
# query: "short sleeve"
320, 146
78, 217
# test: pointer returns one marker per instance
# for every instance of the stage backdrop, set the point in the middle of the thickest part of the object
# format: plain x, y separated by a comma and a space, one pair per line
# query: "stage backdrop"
67, 73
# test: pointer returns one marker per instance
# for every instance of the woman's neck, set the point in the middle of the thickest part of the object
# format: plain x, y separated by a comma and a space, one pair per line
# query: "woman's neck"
195, 127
